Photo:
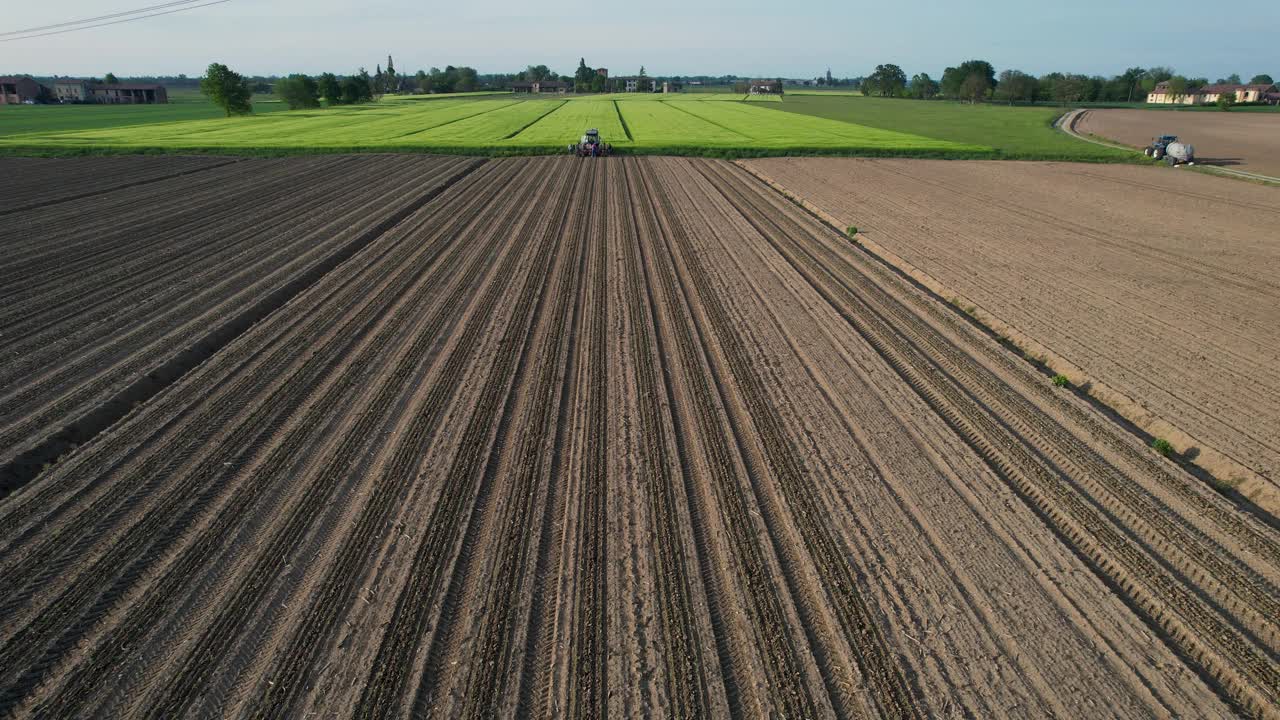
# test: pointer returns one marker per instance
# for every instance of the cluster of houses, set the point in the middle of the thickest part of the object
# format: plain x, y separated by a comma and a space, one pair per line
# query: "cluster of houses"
632, 84
1258, 93
26, 91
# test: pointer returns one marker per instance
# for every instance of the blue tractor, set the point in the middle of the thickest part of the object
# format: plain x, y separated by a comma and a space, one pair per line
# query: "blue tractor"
1167, 148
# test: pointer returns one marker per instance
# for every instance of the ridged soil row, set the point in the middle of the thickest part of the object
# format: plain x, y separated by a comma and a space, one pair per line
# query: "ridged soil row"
533, 461
380, 559
762, 660
214, 250
352, 453
83, 367
64, 247
1151, 491
888, 688
915, 509
1108, 480
501, 535
84, 491
43, 503
316, 595
147, 545
1206, 631
396, 674
694, 680
590, 654
30, 183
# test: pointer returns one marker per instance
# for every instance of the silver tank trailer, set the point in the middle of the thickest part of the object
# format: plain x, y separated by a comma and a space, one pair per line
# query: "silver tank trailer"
1180, 152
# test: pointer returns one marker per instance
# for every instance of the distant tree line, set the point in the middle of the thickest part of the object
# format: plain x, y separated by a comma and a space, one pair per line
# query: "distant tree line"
977, 81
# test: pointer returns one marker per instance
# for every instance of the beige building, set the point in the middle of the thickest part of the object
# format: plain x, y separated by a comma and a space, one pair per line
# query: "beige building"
1162, 95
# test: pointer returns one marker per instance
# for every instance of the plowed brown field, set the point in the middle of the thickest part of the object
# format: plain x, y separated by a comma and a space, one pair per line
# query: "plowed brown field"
631, 437
1241, 140
1160, 285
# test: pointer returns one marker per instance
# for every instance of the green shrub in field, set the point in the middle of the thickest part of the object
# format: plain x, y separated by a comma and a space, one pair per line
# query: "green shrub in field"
1162, 446
1060, 380
853, 230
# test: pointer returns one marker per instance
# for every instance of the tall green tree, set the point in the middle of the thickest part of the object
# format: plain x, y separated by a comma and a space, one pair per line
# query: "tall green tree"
886, 81
391, 82
329, 89
1232, 79
299, 92
110, 79
1261, 79
227, 89
1132, 79
467, 81
955, 80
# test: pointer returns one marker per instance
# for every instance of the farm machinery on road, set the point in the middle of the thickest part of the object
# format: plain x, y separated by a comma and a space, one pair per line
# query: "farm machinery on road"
591, 145
1167, 148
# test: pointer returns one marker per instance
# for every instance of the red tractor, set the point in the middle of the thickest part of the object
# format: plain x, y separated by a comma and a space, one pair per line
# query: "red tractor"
591, 145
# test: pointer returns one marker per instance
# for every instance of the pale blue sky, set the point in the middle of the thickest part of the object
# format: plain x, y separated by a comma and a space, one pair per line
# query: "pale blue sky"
747, 37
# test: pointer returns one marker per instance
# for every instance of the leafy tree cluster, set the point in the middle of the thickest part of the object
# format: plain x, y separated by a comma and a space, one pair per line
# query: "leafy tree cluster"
977, 81
450, 80
586, 79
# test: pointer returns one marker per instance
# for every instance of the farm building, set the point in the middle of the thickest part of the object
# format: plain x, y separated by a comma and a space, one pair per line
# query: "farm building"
539, 87
83, 91
765, 87
633, 83
1162, 95
18, 90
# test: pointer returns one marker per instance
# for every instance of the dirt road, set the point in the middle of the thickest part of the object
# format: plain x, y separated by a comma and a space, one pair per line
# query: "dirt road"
1248, 141
625, 437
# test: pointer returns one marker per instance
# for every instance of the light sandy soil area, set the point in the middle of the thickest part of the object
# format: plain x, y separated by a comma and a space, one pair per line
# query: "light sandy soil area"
1158, 283
625, 437
1240, 140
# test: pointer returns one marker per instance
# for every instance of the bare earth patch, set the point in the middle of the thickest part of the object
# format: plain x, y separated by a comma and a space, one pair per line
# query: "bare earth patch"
618, 437
1241, 140
1160, 284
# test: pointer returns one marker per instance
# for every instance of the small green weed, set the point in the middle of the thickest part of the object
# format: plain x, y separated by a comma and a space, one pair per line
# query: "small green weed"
1060, 380
1162, 446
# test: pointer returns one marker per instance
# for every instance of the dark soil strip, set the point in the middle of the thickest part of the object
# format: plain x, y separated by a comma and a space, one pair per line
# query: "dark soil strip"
622, 120
113, 188
28, 465
534, 121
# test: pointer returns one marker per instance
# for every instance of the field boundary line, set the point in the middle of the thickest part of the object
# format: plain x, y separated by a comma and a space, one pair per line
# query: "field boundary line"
114, 188
1222, 469
26, 466
1067, 124
534, 121
625, 130
455, 120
